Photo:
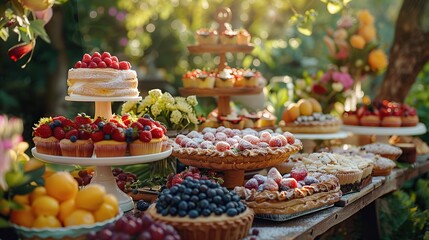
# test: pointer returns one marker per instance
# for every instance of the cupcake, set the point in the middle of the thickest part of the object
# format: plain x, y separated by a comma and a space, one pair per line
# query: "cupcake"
203, 210
189, 79
228, 37
207, 36
205, 79
409, 116
391, 121
350, 118
250, 79
267, 120
77, 141
149, 136
109, 140
225, 79
243, 37
390, 114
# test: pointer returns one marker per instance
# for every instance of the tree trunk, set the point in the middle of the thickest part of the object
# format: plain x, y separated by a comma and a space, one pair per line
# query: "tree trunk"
409, 52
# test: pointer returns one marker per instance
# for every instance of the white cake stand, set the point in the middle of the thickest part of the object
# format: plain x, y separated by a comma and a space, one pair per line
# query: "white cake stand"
103, 173
307, 139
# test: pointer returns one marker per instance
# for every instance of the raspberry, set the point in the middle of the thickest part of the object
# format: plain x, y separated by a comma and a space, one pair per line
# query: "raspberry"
270, 185
77, 64
93, 65
108, 128
137, 125
123, 65
252, 184
298, 173
43, 131
265, 137
275, 142
102, 64
145, 136
108, 61
274, 174
157, 132
287, 183
222, 146
252, 139
290, 137
59, 133
96, 59
86, 58
71, 133
260, 178
95, 54
118, 135
83, 65
114, 59
97, 136
105, 55
243, 145
82, 119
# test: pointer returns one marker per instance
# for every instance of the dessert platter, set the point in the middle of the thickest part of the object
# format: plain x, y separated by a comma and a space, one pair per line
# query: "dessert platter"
103, 141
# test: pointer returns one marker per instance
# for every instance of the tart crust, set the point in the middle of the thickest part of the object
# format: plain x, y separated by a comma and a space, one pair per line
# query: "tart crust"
330, 126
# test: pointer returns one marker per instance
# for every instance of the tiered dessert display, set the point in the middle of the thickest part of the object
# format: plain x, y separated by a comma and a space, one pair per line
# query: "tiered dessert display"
223, 82
234, 151
102, 79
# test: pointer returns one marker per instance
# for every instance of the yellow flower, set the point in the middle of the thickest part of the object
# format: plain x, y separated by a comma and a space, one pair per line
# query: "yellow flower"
167, 98
365, 17
128, 107
367, 32
192, 100
155, 93
192, 118
357, 41
377, 60
155, 109
184, 107
176, 117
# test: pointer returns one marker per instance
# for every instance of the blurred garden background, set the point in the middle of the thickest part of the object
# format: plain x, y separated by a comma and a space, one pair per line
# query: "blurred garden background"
153, 36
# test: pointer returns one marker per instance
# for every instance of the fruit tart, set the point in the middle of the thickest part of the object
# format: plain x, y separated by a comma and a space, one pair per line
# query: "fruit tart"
201, 209
292, 193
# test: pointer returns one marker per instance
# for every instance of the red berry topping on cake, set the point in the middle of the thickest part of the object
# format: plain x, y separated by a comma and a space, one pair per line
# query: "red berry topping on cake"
71, 133
243, 145
97, 136
145, 122
84, 134
114, 65
270, 185
59, 133
145, 136
114, 59
283, 139
124, 65
92, 65
102, 65
298, 173
222, 146
288, 183
137, 125
157, 132
275, 175
78, 64
252, 184
86, 58
96, 59
105, 55
96, 54
118, 135
108, 61
220, 136
43, 131
83, 65
82, 119
109, 127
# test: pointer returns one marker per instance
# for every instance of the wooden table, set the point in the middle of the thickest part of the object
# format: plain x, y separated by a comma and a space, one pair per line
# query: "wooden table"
312, 225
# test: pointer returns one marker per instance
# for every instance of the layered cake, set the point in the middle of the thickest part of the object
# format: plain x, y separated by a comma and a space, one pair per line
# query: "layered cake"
292, 193
203, 210
306, 116
102, 75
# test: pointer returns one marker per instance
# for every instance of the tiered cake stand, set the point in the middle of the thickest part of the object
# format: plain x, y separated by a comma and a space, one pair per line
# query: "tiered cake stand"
103, 173
308, 139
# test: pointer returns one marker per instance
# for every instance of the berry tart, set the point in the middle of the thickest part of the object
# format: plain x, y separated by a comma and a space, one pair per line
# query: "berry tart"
149, 136
109, 138
201, 209
290, 194
102, 75
77, 141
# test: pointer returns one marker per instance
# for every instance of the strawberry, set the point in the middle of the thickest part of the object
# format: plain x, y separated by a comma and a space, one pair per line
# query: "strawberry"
43, 131
82, 119
108, 61
78, 64
61, 118
109, 128
270, 185
145, 136
243, 145
95, 54
83, 65
97, 136
97, 120
252, 184
157, 132
114, 65
102, 65
71, 133
287, 183
86, 58
92, 65
137, 125
260, 178
105, 55
298, 173
252, 139
222, 146
146, 121
124, 65
274, 174
275, 142
59, 133
96, 59
118, 135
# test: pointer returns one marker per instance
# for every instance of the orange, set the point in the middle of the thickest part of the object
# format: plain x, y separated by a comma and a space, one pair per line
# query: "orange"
62, 186
22, 199
45, 205
112, 201
104, 212
66, 208
37, 192
91, 197
79, 217
305, 107
32, 164
43, 221
23, 217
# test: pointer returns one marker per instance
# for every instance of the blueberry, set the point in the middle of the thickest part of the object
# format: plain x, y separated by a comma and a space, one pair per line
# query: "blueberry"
135, 191
194, 199
100, 125
188, 191
129, 132
217, 199
212, 206
173, 211
159, 209
191, 205
52, 125
183, 205
211, 193
226, 198
203, 203
174, 189
219, 192
107, 137
213, 185
232, 212
164, 212
185, 197
195, 191
203, 188
193, 214
225, 190
218, 211
202, 196
175, 200
168, 198
146, 115
162, 198
230, 205
310, 179
181, 188
146, 128
182, 213
206, 212
73, 138
57, 123
236, 198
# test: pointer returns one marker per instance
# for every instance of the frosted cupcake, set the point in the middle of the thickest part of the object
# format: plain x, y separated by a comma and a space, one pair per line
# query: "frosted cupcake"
205, 80
207, 36
250, 79
228, 37
189, 79
225, 79
243, 37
